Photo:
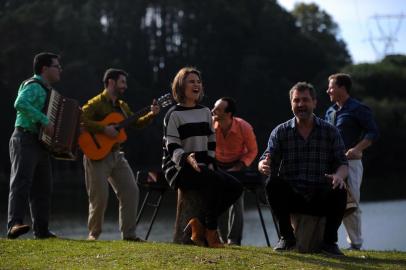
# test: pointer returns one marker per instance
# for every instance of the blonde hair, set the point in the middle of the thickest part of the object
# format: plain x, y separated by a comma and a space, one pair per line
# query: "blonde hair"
178, 84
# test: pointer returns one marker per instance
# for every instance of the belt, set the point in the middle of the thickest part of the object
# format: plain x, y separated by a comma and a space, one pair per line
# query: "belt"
227, 165
24, 130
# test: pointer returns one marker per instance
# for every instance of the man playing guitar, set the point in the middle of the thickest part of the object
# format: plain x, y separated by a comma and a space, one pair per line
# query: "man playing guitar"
112, 168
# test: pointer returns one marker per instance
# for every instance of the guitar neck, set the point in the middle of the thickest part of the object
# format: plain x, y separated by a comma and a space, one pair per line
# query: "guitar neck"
134, 117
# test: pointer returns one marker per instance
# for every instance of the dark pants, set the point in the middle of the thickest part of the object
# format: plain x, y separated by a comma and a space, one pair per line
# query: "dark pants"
231, 222
219, 190
284, 200
30, 181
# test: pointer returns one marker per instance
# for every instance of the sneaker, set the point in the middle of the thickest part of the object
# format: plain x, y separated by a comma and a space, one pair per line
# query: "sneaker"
285, 244
45, 235
134, 239
17, 230
91, 238
331, 250
233, 243
354, 247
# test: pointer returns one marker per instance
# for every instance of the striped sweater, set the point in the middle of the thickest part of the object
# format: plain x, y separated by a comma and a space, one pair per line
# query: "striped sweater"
187, 130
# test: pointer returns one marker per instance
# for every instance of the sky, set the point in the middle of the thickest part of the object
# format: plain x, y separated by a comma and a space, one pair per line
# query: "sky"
366, 37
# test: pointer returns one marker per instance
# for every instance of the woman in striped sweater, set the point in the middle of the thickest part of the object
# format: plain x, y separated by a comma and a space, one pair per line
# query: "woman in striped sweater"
189, 161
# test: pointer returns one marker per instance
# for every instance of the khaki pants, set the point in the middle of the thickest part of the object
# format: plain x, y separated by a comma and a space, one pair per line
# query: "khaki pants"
113, 169
352, 222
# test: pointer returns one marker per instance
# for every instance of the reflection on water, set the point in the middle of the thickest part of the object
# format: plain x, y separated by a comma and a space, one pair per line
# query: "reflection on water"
383, 226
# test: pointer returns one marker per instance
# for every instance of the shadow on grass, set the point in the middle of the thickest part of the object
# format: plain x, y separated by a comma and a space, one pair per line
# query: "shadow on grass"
350, 261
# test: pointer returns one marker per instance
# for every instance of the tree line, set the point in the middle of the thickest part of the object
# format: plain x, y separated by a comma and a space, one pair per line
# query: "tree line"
253, 51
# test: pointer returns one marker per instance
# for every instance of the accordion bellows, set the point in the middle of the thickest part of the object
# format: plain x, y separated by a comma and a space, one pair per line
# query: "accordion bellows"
64, 114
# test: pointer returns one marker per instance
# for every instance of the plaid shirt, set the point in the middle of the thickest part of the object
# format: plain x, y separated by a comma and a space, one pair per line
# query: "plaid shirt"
304, 163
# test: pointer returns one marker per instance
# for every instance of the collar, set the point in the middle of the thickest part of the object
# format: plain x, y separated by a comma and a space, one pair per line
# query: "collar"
292, 122
39, 77
349, 104
233, 129
107, 98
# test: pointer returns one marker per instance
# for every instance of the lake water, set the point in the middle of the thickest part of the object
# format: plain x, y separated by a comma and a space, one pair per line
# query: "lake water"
384, 225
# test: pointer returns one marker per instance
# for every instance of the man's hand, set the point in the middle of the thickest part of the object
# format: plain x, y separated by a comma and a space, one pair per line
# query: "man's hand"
353, 153
49, 129
155, 107
192, 161
264, 166
336, 180
111, 131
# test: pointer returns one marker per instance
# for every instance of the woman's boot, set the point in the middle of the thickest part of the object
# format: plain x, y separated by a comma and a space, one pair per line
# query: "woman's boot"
196, 230
213, 239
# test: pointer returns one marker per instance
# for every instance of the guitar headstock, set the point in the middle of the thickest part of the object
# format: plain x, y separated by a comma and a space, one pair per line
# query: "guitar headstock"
165, 100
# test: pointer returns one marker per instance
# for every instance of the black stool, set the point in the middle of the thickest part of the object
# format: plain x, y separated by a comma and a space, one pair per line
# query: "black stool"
152, 182
254, 183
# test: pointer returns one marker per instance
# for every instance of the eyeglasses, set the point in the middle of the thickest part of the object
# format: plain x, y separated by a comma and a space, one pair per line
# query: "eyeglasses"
56, 66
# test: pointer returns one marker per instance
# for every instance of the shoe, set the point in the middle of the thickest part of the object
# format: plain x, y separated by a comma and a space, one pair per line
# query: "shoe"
285, 244
354, 247
17, 230
196, 232
213, 239
91, 238
331, 250
233, 243
134, 239
45, 235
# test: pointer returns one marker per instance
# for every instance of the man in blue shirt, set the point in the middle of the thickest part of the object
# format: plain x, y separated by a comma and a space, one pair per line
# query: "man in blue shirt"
306, 166
358, 129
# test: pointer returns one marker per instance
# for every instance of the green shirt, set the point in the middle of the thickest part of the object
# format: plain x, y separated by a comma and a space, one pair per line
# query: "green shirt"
29, 104
97, 108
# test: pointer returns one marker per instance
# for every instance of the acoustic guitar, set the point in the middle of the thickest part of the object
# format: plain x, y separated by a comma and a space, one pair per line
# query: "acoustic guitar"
98, 145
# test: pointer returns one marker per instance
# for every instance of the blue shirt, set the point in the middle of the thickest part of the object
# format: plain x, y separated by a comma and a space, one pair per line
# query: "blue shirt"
304, 163
354, 121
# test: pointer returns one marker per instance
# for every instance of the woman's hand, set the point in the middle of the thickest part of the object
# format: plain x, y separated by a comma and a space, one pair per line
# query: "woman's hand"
192, 161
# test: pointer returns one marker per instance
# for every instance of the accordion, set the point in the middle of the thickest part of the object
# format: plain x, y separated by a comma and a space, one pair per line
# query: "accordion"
64, 114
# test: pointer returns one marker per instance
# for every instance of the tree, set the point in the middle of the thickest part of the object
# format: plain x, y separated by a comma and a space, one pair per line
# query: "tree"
322, 33
253, 51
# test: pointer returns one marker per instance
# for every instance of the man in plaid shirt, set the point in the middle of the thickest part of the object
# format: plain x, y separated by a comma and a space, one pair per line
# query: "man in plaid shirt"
306, 165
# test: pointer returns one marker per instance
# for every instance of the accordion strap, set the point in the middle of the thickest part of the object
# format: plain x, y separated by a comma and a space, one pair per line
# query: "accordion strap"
35, 80
47, 89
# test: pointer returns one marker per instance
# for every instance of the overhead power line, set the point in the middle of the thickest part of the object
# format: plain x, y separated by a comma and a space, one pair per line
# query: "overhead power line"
384, 37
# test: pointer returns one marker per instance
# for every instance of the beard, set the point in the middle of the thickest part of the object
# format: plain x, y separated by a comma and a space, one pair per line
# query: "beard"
118, 92
303, 113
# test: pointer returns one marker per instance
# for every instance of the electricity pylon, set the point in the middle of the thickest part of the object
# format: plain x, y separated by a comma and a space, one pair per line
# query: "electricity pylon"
388, 27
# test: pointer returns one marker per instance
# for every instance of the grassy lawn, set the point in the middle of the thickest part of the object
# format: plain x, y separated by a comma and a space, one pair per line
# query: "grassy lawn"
81, 254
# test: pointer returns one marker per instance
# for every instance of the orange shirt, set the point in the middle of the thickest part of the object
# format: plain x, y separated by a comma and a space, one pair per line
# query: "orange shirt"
240, 143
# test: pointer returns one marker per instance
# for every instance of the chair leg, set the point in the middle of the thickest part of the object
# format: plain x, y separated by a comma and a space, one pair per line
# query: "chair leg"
142, 208
262, 219
157, 206
274, 219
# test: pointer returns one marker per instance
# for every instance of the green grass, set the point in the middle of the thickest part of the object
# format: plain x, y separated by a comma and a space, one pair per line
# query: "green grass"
81, 254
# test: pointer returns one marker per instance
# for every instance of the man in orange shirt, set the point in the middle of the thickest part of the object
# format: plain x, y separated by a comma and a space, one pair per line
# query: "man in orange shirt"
236, 149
